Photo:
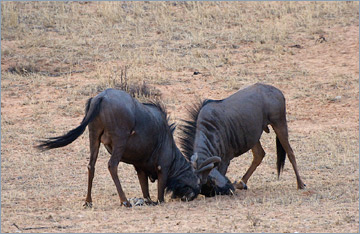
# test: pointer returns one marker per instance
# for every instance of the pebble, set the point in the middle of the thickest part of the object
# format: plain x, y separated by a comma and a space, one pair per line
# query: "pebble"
137, 201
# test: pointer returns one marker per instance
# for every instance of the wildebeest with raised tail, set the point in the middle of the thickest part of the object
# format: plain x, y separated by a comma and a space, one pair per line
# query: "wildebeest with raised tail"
230, 127
138, 134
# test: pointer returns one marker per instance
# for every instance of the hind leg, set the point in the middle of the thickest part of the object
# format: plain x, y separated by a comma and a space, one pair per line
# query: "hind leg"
94, 137
281, 131
118, 149
258, 155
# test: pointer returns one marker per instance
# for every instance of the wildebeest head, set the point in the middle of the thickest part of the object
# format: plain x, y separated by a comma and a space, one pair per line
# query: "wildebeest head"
187, 185
184, 187
202, 167
211, 181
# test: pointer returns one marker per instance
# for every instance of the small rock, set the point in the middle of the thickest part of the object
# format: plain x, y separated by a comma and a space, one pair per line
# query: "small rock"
137, 201
336, 99
296, 46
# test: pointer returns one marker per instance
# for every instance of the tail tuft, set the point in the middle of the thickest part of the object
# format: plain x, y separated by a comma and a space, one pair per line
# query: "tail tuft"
61, 141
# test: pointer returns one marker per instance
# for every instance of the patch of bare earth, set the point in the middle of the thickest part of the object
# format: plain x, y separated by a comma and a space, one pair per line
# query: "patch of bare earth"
57, 55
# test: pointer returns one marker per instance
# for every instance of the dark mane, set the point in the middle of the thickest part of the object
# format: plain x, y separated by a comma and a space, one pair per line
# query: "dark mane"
188, 127
160, 106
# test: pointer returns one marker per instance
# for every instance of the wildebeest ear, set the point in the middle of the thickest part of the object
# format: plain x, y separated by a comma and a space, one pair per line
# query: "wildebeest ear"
194, 160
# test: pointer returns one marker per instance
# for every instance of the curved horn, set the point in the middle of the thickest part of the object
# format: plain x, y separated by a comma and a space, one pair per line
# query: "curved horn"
214, 159
207, 167
194, 160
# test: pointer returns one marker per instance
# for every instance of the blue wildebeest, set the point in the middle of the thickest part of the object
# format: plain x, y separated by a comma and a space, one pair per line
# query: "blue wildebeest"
137, 134
230, 127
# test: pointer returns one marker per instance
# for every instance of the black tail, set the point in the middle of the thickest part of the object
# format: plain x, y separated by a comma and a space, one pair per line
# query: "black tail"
60, 141
281, 155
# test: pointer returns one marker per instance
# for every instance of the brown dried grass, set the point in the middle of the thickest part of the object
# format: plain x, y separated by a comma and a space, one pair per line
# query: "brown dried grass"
77, 49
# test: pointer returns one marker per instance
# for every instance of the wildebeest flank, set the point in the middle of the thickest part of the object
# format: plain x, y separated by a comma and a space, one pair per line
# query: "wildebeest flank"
230, 127
137, 134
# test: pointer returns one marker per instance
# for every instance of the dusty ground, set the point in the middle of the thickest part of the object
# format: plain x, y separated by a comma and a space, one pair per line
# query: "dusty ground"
54, 56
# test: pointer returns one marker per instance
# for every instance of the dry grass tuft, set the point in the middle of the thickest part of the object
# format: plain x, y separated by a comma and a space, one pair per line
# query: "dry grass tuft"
23, 69
141, 91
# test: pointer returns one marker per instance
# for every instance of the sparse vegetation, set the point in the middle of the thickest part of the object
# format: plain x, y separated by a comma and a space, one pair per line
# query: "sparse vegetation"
55, 55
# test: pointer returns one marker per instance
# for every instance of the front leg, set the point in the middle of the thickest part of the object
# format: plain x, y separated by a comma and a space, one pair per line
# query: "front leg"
258, 155
144, 184
162, 180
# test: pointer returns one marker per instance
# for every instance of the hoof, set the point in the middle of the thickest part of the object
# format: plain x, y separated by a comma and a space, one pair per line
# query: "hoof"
149, 202
240, 185
87, 205
302, 187
126, 204
160, 202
